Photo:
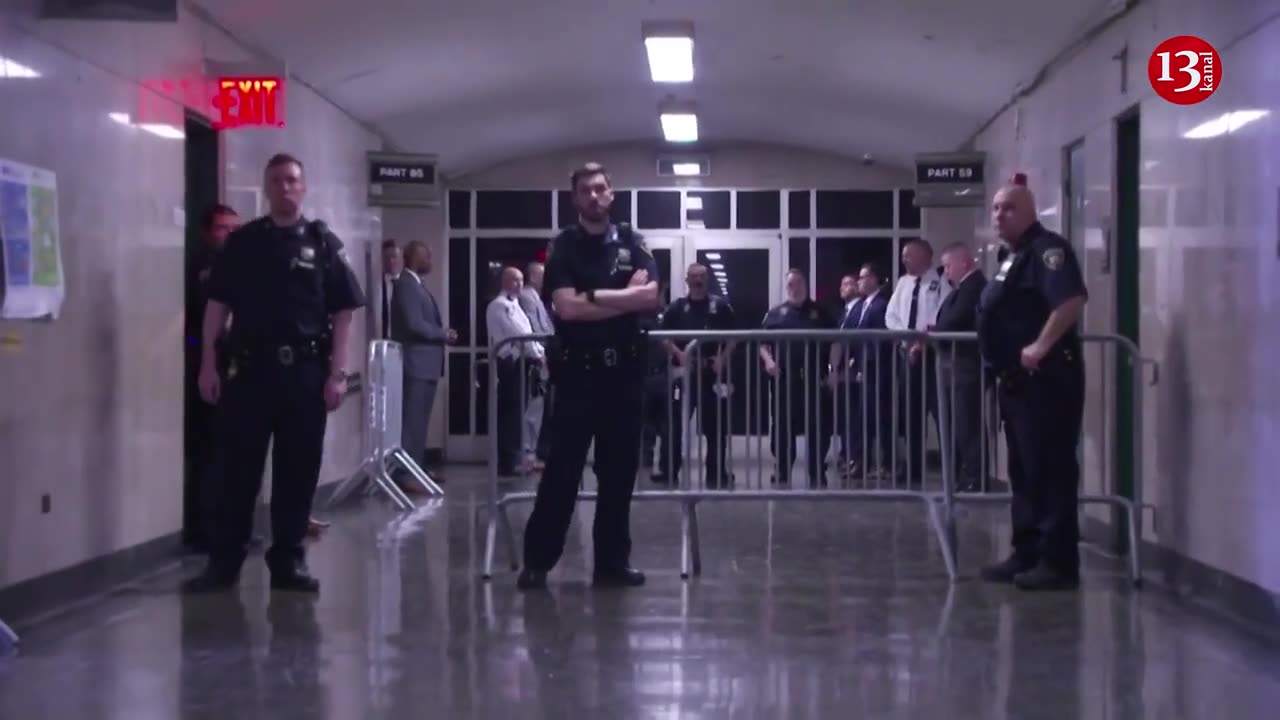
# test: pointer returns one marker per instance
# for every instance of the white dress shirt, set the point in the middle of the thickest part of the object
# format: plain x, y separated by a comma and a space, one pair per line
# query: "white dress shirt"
933, 290
506, 319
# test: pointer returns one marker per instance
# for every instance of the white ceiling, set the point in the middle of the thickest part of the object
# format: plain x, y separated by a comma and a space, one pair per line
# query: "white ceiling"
482, 81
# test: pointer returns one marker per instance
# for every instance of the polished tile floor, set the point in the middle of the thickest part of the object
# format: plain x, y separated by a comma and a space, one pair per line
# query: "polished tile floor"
804, 610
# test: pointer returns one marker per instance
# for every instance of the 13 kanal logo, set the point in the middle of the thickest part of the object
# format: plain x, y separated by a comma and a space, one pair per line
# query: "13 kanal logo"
1185, 70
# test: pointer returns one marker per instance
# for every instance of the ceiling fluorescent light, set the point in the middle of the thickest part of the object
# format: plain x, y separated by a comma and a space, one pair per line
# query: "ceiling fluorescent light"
679, 127
687, 169
717, 266
1224, 124
13, 69
168, 132
713, 256
670, 59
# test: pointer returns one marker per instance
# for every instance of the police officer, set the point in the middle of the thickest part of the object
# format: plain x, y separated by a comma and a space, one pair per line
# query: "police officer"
1027, 327
287, 282
705, 368
799, 368
217, 222
601, 281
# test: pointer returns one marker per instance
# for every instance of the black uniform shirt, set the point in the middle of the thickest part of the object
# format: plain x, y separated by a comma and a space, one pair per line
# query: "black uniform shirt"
710, 313
1037, 277
790, 355
283, 284
582, 262
197, 292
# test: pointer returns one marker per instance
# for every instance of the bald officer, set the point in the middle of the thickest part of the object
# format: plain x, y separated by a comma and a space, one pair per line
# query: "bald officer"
1028, 319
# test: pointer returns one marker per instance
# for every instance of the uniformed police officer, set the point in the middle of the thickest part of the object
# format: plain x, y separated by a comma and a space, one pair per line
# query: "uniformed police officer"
287, 282
799, 368
600, 281
216, 224
706, 368
1027, 326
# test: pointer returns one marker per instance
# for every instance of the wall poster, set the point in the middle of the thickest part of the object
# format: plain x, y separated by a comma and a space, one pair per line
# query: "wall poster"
33, 284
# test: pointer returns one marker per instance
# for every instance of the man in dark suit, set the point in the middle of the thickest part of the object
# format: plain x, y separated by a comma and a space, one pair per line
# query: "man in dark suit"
863, 382
962, 365
416, 324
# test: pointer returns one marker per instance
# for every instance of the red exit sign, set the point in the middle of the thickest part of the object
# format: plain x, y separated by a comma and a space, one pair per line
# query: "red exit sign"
229, 102
249, 102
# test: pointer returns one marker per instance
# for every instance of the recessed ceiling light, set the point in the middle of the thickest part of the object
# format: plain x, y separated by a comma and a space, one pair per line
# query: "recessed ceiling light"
1224, 124
687, 169
670, 59
679, 127
14, 69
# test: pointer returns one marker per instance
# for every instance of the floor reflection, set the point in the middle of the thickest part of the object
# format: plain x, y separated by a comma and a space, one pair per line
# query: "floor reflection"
805, 610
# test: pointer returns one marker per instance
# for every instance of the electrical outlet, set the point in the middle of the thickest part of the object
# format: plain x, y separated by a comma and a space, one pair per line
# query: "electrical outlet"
46, 504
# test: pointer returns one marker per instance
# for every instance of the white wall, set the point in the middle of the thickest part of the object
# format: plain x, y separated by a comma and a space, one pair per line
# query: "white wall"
1209, 261
92, 403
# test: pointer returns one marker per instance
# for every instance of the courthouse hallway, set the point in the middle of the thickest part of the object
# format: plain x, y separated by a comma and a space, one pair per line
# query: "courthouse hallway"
819, 611
960, 318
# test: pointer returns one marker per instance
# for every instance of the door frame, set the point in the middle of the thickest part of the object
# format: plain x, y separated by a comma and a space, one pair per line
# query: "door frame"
712, 240
1125, 258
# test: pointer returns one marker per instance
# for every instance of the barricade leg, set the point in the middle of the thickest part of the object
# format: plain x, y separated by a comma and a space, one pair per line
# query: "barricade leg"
382, 479
508, 533
944, 541
8, 639
690, 547
400, 457
348, 487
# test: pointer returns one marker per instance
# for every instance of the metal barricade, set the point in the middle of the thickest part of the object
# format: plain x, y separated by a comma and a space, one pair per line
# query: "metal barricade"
876, 415
383, 453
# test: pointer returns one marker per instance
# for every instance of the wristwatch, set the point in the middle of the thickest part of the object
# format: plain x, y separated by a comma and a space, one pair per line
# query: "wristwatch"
591, 296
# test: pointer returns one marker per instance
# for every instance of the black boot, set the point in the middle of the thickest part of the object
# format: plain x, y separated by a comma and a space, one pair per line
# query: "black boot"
1006, 570
625, 577
1047, 577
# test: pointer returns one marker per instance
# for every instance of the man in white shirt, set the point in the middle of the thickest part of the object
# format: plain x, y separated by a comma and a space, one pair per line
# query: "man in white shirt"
914, 306
392, 266
506, 319
537, 437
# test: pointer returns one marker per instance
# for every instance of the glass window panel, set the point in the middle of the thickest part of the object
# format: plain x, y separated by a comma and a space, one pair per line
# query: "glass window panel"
658, 210
798, 209
759, 209
459, 393
908, 213
460, 288
855, 209
460, 209
839, 256
708, 209
515, 209
743, 278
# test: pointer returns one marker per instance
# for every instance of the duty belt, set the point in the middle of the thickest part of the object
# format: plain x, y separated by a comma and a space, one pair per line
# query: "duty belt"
602, 357
283, 355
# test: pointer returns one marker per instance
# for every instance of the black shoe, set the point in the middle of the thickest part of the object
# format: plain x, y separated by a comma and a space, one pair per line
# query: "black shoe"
1005, 571
626, 577
531, 579
1044, 577
209, 581
294, 581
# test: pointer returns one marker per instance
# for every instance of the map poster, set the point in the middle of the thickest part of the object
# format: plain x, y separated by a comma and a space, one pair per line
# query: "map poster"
32, 257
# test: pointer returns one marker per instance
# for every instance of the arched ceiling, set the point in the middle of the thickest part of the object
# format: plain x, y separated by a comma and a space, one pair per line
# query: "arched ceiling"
481, 81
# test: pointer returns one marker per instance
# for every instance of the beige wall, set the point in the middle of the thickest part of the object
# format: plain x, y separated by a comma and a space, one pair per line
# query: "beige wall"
92, 402
1208, 271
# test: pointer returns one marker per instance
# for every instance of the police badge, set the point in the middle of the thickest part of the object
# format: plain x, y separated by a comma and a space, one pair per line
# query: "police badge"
624, 260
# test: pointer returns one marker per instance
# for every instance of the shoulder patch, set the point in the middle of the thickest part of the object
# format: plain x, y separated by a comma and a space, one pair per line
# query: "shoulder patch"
1053, 258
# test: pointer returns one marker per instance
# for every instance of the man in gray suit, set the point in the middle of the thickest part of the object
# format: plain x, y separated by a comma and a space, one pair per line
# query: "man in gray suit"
537, 440
416, 324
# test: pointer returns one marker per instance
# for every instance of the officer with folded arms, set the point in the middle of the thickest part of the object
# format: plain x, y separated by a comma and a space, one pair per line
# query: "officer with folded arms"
288, 284
602, 284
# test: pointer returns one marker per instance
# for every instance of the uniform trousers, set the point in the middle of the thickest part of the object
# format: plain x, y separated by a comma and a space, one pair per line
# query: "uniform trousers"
600, 403
800, 406
264, 402
1043, 413
713, 420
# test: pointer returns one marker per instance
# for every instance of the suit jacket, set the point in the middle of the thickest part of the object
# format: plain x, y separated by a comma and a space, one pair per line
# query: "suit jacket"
959, 313
876, 355
417, 326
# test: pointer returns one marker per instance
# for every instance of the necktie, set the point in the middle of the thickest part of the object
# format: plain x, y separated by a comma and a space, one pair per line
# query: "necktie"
915, 305
866, 304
